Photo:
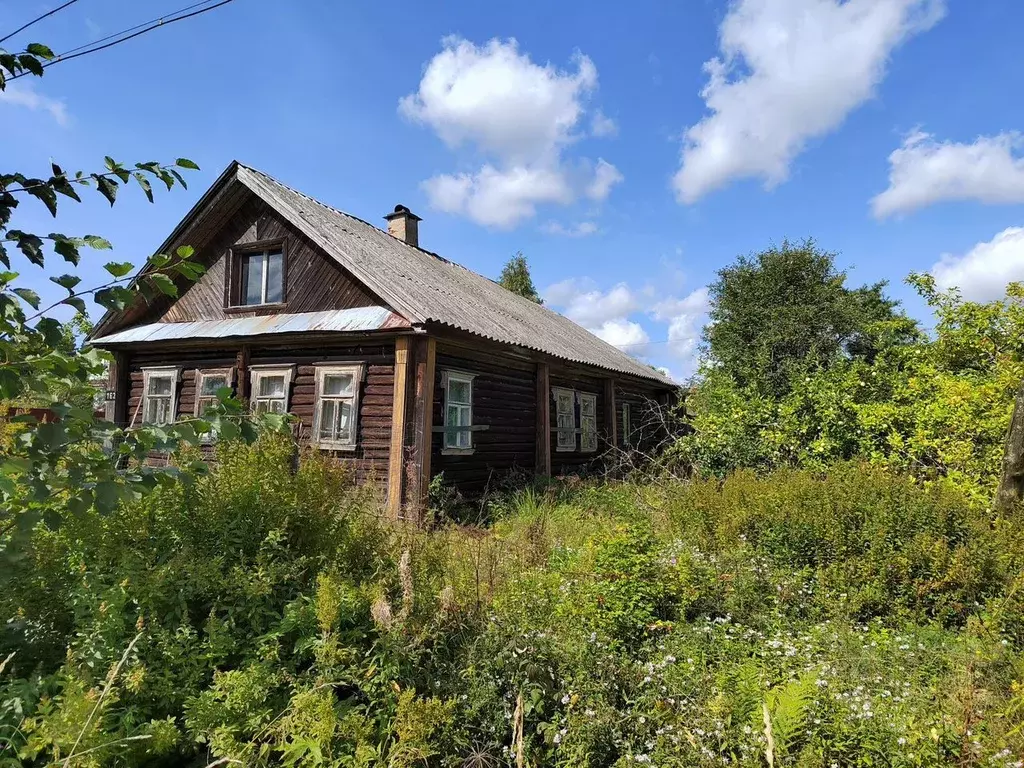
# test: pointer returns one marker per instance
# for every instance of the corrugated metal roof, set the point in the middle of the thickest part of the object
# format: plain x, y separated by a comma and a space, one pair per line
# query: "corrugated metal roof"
426, 288
335, 320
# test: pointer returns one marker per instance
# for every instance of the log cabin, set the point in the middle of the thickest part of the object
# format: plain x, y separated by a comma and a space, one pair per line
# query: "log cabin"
390, 357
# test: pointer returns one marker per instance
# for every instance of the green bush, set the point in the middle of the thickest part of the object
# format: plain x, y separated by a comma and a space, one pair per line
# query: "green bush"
267, 614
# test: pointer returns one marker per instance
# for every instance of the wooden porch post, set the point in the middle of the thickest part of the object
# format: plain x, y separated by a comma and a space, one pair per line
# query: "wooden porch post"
396, 456
542, 451
611, 427
242, 372
419, 436
119, 380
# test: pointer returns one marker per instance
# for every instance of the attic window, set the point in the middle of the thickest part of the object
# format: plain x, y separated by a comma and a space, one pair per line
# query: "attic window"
257, 275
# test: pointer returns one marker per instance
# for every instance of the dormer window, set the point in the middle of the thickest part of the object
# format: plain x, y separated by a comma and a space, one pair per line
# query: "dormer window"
257, 276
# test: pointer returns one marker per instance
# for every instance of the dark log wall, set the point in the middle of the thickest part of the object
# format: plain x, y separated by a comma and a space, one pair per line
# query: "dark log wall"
374, 426
504, 399
313, 281
576, 462
648, 417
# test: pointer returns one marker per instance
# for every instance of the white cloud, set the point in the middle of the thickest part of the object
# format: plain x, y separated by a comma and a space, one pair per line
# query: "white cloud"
686, 318
982, 273
497, 198
601, 125
789, 71
580, 229
583, 303
924, 171
26, 96
519, 115
612, 314
606, 176
627, 335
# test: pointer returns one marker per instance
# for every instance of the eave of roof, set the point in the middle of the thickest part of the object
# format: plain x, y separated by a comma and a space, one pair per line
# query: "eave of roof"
360, 319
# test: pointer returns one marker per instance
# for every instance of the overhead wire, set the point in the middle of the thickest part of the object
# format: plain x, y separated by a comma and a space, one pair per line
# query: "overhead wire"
23, 27
139, 29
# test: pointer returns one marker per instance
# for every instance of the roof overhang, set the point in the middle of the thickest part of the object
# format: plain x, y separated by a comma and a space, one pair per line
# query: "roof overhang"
358, 320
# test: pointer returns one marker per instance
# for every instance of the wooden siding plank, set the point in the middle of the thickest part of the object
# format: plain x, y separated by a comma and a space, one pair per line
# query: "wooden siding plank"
397, 452
543, 437
610, 422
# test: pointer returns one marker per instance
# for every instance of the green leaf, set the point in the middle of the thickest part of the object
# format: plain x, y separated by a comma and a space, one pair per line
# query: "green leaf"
185, 252
31, 63
77, 302
67, 281
118, 268
116, 297
4, 259
164, 284
184, 162
40, 50
43, 192
97, 242
178, 176
30, 245
30, 296
106, 187
144, 183
159, 260
66, 247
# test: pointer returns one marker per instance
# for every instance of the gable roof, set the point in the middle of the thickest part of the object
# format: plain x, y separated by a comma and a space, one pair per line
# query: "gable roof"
425, 288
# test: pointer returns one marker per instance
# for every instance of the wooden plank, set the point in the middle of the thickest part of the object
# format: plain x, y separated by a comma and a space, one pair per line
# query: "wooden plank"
242, 373
542, 461
425, 437
121, 383
395, 462
610, 422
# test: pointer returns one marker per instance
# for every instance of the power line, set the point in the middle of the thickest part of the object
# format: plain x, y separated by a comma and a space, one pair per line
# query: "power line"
136, 31
38, 18
137, 26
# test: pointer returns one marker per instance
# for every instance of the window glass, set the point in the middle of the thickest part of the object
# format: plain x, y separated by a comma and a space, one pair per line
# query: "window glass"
458, 414
271, 385
275, 278
211, 383
252, 278
337, 384
158, 400
337, 406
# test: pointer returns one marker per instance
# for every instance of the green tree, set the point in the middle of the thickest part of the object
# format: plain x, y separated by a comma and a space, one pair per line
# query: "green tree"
787, 310
515, 276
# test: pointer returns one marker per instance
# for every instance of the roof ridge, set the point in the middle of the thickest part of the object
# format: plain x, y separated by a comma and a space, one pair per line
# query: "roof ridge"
348, 215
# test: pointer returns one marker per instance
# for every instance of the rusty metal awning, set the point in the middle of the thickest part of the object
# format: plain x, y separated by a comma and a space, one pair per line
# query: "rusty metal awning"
360, 319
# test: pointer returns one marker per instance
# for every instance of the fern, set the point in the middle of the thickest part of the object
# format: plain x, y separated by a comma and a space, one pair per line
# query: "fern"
783, 715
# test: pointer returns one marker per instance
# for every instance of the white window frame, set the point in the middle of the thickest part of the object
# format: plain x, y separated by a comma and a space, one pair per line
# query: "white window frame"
588, 424
264, 276
201, 375
356, 371
562, 444
627, 425
462, 377
257, 372
162, 372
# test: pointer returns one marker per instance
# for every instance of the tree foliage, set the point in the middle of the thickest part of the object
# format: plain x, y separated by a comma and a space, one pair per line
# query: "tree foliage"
515, 277
788, 309
76, 462
879, 390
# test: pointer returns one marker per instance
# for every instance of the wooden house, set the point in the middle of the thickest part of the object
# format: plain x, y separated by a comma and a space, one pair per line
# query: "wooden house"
388, 355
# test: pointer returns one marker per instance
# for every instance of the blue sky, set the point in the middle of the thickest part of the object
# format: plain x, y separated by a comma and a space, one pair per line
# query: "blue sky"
629, 150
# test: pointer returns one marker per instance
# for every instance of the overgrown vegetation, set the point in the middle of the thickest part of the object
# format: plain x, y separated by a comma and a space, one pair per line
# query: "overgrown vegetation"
840, 374
273, 617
